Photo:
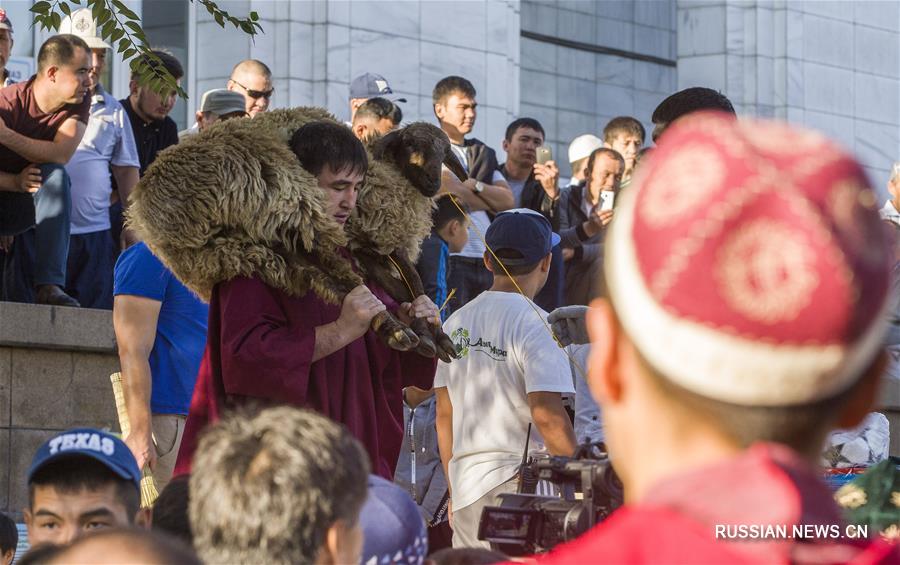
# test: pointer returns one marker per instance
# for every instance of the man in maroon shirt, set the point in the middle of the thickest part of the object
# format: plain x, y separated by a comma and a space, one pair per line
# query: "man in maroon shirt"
266, 346
42, 122
748, 276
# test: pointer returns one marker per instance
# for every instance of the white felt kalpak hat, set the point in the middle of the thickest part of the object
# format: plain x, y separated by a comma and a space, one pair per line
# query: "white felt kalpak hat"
582, 146
747, 263
82, 24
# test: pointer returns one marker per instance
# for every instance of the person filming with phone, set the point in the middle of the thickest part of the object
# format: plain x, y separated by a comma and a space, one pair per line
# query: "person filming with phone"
533, 178
584, 213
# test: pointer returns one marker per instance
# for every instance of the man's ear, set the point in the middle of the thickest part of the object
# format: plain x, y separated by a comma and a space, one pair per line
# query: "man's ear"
864, 398
143, 519
329, 551
603, 376
487, 262
132, 87
439, 111
545, 262
505, 145
51, 72
359, 131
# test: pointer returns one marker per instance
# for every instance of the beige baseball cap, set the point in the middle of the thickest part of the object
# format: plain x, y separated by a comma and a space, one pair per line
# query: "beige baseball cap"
82, 24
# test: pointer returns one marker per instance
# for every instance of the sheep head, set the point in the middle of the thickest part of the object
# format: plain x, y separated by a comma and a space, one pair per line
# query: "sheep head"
418, 151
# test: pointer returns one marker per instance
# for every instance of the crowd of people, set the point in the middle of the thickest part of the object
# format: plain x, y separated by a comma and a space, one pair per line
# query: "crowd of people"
738, 277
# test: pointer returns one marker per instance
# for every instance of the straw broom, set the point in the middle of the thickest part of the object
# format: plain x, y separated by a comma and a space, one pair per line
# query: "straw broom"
149, 494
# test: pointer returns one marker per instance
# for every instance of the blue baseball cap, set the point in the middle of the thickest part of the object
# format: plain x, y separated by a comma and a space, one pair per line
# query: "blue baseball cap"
370, 85
88, 442
392, 525
522, 230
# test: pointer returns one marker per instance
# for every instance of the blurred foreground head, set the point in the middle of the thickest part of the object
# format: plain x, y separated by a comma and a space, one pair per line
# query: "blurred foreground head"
748, 277
688, 101
282, 486
113, 547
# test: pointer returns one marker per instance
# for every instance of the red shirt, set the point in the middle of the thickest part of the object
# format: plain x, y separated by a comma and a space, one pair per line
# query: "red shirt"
20, 112
260, 346
676, 522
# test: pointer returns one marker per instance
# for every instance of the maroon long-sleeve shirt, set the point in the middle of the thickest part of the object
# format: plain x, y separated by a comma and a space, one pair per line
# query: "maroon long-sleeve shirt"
260, 347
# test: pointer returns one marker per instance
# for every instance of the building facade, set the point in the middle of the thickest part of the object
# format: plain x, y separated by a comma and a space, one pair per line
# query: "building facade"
833, 65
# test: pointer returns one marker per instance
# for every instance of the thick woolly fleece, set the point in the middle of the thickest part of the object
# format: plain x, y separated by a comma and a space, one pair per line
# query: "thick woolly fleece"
234, 201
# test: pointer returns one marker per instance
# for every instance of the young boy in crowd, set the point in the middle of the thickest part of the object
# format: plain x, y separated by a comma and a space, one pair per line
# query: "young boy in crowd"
449, 234
625, 135
715, 409
510, 374
9, 539
79, 481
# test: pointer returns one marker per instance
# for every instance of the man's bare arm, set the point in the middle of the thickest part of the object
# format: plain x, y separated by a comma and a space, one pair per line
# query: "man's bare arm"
498, 197
451, 185
134, 321
552, 421
126, 179
444, 425
59, 151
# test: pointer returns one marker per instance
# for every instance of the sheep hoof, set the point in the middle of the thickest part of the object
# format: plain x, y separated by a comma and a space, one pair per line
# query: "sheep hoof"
423, 330
394, 333
446, 351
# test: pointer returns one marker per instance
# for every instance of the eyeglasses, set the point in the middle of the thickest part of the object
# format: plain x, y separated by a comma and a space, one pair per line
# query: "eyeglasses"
256, 93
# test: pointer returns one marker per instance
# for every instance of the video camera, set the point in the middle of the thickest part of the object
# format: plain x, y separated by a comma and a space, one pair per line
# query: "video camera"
525, 524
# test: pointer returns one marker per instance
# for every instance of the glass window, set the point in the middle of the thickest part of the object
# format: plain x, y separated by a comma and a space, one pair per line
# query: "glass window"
166, 27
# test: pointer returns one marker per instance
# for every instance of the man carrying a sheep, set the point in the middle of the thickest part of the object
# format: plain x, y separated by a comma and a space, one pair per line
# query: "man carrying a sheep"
267, 346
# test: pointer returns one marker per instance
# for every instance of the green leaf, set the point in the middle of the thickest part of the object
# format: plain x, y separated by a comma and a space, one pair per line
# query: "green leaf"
55, 20
247, 28
123, 10
124, 44
220, 20
116, 35
254, 16
40, 7
64, 8
105, 17
134, 27
108, 28
128, 53
97, 9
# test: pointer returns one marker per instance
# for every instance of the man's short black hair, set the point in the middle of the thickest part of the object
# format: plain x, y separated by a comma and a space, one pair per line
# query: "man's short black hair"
322, 143
9, 535
379, 108
76, 473
688, 101
524, 123
170, 511
59, 50
446, 211
449, 85
169, 62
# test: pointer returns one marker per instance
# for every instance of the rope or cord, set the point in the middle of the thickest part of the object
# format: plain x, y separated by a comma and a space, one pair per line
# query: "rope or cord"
402, 276
518, 288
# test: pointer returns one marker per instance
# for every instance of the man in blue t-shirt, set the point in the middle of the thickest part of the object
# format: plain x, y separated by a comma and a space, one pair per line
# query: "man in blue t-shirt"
161, 332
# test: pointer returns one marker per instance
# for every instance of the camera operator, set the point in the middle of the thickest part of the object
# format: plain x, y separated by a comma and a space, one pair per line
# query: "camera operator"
728, 347
510, 374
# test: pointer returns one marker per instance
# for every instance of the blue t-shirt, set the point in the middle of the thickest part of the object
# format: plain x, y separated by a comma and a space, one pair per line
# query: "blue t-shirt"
180, 331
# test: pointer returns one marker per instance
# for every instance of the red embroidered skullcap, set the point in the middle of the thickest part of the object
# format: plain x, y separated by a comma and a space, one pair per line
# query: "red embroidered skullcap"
748, 264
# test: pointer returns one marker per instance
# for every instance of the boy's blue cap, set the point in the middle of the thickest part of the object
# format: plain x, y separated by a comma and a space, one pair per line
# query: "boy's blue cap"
88, 442
522, 230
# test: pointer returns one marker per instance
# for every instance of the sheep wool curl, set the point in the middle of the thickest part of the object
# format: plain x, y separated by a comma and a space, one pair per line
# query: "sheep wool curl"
234, 201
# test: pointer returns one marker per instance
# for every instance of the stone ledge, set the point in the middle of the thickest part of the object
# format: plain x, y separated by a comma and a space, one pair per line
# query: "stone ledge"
53, 327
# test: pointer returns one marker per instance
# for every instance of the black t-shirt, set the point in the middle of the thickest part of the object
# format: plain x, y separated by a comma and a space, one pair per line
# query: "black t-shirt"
152, 137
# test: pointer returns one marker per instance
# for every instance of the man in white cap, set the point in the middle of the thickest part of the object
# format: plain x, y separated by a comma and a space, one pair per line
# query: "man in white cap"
217, 105
749, 282
6, 44
579, 151
106, 152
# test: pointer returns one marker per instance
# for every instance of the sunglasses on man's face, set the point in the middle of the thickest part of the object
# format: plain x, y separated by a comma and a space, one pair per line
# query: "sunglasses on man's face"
256, 93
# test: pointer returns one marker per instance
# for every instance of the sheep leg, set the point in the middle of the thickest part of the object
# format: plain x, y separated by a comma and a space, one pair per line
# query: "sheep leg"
437, 340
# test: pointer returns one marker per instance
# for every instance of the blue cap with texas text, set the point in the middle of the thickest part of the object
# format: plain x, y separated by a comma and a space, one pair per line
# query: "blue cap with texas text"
88, 442
522, 230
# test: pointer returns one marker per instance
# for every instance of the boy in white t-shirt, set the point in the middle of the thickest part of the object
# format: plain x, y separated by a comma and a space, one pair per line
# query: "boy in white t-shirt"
510, 374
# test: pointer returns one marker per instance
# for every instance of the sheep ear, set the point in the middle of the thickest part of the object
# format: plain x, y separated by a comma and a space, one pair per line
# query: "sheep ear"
452, 162
386, 144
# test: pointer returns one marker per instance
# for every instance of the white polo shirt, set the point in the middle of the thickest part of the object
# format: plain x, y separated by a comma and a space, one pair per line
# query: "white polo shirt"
108, 140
